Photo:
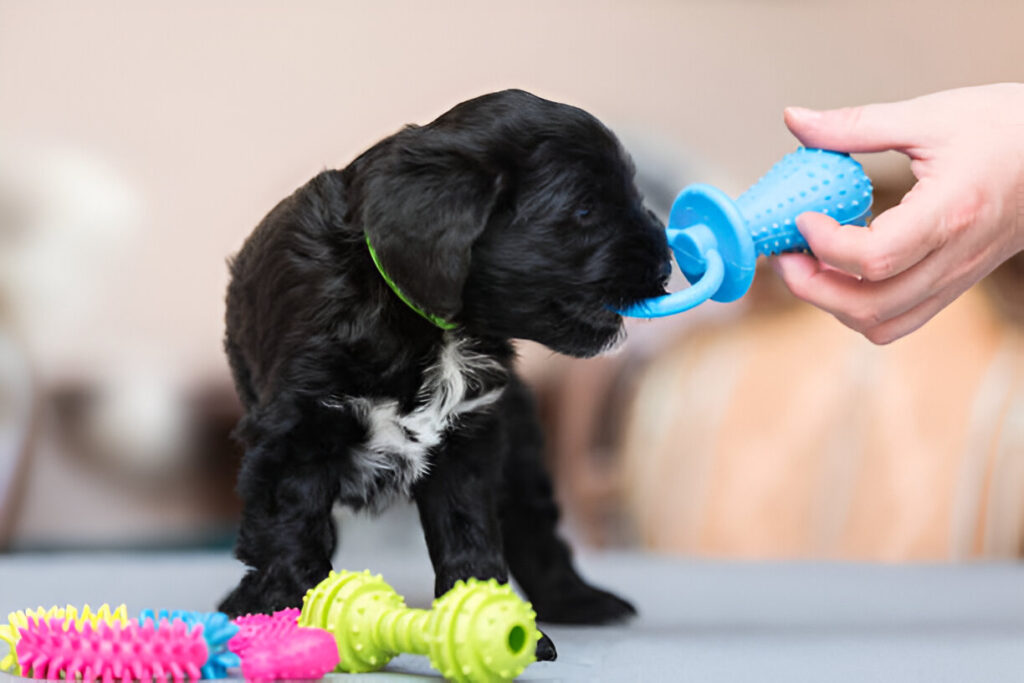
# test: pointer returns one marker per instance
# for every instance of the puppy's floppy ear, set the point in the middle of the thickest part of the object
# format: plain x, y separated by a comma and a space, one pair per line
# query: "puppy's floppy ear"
425, 200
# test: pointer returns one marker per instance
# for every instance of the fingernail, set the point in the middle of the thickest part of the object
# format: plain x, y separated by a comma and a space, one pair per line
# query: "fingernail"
803, 113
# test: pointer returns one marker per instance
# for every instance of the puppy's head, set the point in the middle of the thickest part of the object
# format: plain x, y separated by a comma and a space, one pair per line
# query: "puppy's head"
513, 216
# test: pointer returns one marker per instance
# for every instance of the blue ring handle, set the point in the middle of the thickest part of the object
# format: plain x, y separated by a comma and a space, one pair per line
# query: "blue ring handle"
684, 299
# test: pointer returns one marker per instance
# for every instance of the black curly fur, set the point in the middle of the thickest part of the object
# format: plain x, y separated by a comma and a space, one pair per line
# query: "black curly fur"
513, 217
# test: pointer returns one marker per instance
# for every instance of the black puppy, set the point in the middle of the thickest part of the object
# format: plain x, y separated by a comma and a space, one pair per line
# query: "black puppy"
368, 325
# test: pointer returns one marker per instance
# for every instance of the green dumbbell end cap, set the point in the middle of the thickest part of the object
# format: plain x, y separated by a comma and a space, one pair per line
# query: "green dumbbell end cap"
349, 605
488, 626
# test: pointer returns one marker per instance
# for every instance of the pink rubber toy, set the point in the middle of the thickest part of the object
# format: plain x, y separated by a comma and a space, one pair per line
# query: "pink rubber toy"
302, 653
274, 646
111, 652
255, 627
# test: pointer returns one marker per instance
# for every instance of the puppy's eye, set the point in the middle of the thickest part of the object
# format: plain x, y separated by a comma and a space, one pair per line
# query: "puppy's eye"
582, 213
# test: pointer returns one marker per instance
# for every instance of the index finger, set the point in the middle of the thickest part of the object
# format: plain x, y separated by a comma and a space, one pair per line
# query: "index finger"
867, 128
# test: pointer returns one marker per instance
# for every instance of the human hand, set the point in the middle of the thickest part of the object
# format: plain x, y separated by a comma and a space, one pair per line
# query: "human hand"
963, 217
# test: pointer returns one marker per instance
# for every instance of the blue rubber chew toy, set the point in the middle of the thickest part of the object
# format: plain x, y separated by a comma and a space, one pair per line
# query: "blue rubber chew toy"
218, 630
716, 241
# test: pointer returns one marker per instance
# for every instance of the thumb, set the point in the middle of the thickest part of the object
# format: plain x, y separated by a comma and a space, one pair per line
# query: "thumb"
869, 128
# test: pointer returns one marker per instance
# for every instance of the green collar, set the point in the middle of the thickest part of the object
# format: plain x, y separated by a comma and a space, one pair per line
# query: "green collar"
437, 320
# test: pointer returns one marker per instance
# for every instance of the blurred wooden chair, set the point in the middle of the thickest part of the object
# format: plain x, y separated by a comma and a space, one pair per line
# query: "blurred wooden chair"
788, 435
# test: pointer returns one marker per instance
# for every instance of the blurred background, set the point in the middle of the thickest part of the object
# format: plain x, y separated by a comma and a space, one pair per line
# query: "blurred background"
141, 142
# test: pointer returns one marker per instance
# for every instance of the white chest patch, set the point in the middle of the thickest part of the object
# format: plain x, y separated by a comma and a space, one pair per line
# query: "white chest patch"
396, 451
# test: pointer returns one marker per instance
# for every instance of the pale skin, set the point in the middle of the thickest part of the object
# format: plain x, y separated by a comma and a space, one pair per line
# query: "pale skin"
963, 217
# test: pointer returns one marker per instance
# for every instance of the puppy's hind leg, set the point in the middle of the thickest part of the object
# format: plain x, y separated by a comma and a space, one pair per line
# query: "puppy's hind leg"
287, 535
538, 558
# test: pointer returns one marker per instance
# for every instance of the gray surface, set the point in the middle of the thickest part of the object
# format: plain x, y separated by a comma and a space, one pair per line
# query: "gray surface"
700, 621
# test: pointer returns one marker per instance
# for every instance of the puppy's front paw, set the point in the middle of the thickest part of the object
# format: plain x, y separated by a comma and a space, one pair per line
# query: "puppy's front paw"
260, 593
581, 604
546, 651
242, 600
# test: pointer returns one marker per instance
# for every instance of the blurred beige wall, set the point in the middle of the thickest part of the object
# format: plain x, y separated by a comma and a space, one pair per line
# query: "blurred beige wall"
213, 111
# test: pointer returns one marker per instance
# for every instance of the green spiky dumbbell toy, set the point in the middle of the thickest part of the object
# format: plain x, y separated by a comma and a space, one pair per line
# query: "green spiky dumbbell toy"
477, 631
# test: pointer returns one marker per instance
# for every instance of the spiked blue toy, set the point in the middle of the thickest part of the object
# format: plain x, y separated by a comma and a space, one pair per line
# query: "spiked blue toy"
716, 241
218, 629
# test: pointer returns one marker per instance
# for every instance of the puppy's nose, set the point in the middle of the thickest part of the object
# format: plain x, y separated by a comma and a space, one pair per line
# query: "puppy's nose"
666, 270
